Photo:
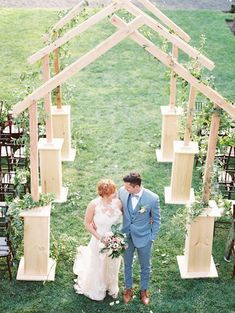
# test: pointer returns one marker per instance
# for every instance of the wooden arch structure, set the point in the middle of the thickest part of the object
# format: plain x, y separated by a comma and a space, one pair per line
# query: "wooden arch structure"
170, 31
163, 27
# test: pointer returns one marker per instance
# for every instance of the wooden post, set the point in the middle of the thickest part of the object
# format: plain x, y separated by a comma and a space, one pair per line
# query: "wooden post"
173, 80
62, 129
197, 261
211, 150
51, 168
57, 70
170, 120
47, 98
36, 263
189, 120
33, 134
180, 191
170, 133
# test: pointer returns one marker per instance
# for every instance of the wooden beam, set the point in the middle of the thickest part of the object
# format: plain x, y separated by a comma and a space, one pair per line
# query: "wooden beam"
175, 40
47, 99
173, 82
57, 70
73, 32
79, 64
33, 135
189, 119
68, 17
148, 5
167, 60
211, 151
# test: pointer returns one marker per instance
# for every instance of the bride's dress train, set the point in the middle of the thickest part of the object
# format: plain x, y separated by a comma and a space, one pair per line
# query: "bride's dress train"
97, 273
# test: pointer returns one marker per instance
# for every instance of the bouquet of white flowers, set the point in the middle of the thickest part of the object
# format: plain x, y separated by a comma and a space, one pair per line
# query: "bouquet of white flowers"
114, 242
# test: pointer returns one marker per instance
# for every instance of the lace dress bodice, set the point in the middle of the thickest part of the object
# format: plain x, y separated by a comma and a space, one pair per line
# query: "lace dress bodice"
106, 216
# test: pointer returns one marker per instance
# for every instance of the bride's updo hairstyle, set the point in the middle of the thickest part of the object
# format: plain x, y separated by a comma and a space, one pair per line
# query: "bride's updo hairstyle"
106, 187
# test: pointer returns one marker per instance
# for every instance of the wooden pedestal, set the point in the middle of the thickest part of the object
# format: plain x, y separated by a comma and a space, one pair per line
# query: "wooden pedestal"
180, 191
197, 262
51, 168
61, 129
36, 264
170, 127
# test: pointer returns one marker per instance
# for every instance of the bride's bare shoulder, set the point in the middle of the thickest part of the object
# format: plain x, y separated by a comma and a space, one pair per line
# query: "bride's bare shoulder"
93, 203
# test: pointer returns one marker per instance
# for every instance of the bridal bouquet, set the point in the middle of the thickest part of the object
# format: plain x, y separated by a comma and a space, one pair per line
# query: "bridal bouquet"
114, 242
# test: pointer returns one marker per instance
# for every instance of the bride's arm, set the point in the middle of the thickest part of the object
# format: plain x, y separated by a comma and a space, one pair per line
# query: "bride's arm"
88, 221
119, 205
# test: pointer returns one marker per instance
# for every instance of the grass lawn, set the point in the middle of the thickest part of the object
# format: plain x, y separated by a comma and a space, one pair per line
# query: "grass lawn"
116, 126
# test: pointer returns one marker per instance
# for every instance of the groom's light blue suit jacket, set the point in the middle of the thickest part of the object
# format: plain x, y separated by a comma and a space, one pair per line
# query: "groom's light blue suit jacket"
143, 223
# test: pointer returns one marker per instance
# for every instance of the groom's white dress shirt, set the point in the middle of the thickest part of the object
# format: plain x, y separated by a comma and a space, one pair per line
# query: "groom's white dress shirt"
135, 200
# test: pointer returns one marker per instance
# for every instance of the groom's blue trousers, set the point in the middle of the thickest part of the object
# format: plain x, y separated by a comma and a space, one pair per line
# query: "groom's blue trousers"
144, 256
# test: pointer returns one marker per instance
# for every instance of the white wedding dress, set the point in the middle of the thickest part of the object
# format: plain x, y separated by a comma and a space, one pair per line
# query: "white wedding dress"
97, 273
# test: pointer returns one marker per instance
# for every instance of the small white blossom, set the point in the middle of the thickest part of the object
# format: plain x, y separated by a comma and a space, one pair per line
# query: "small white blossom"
101, 245
111, 303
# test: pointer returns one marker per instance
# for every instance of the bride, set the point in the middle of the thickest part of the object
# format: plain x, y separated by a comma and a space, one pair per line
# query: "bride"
97, 273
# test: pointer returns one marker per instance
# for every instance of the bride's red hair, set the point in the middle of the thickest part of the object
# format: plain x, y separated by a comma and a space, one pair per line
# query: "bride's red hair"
106, 187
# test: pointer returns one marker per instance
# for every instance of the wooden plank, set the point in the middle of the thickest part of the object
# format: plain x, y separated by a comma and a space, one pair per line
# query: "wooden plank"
175, 40
148, 5
173, 82
167, 60
68, 17
189, 120
210, 156
33, 135
47, 99
73, 32
85, 60
57, 70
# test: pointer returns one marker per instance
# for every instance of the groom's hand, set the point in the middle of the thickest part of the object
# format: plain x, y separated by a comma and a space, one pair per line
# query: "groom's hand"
151, 220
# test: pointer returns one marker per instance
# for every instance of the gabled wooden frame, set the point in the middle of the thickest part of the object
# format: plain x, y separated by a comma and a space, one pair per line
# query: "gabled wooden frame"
124, 30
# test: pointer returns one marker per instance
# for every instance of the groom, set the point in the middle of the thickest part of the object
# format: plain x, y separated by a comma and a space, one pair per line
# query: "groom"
141, 223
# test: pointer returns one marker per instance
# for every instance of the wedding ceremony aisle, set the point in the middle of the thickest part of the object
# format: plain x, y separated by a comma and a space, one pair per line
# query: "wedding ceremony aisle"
116, 128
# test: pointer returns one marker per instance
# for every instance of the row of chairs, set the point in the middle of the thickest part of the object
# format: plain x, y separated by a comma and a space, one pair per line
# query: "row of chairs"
6, 252
12, 157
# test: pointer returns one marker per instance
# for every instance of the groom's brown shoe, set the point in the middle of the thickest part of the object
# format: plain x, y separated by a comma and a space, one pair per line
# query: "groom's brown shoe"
127, 295
145, 297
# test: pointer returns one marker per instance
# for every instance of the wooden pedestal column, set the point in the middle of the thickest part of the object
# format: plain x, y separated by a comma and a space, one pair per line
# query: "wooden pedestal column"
36, 264
170, 127
51, 168
180, 191
61, 129
197, 262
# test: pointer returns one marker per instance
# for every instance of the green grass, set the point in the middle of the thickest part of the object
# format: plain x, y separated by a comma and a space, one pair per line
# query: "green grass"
116, 127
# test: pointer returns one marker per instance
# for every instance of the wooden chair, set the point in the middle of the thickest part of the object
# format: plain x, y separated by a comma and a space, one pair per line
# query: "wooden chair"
5, 244
226, 184
226, 178
230, 250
